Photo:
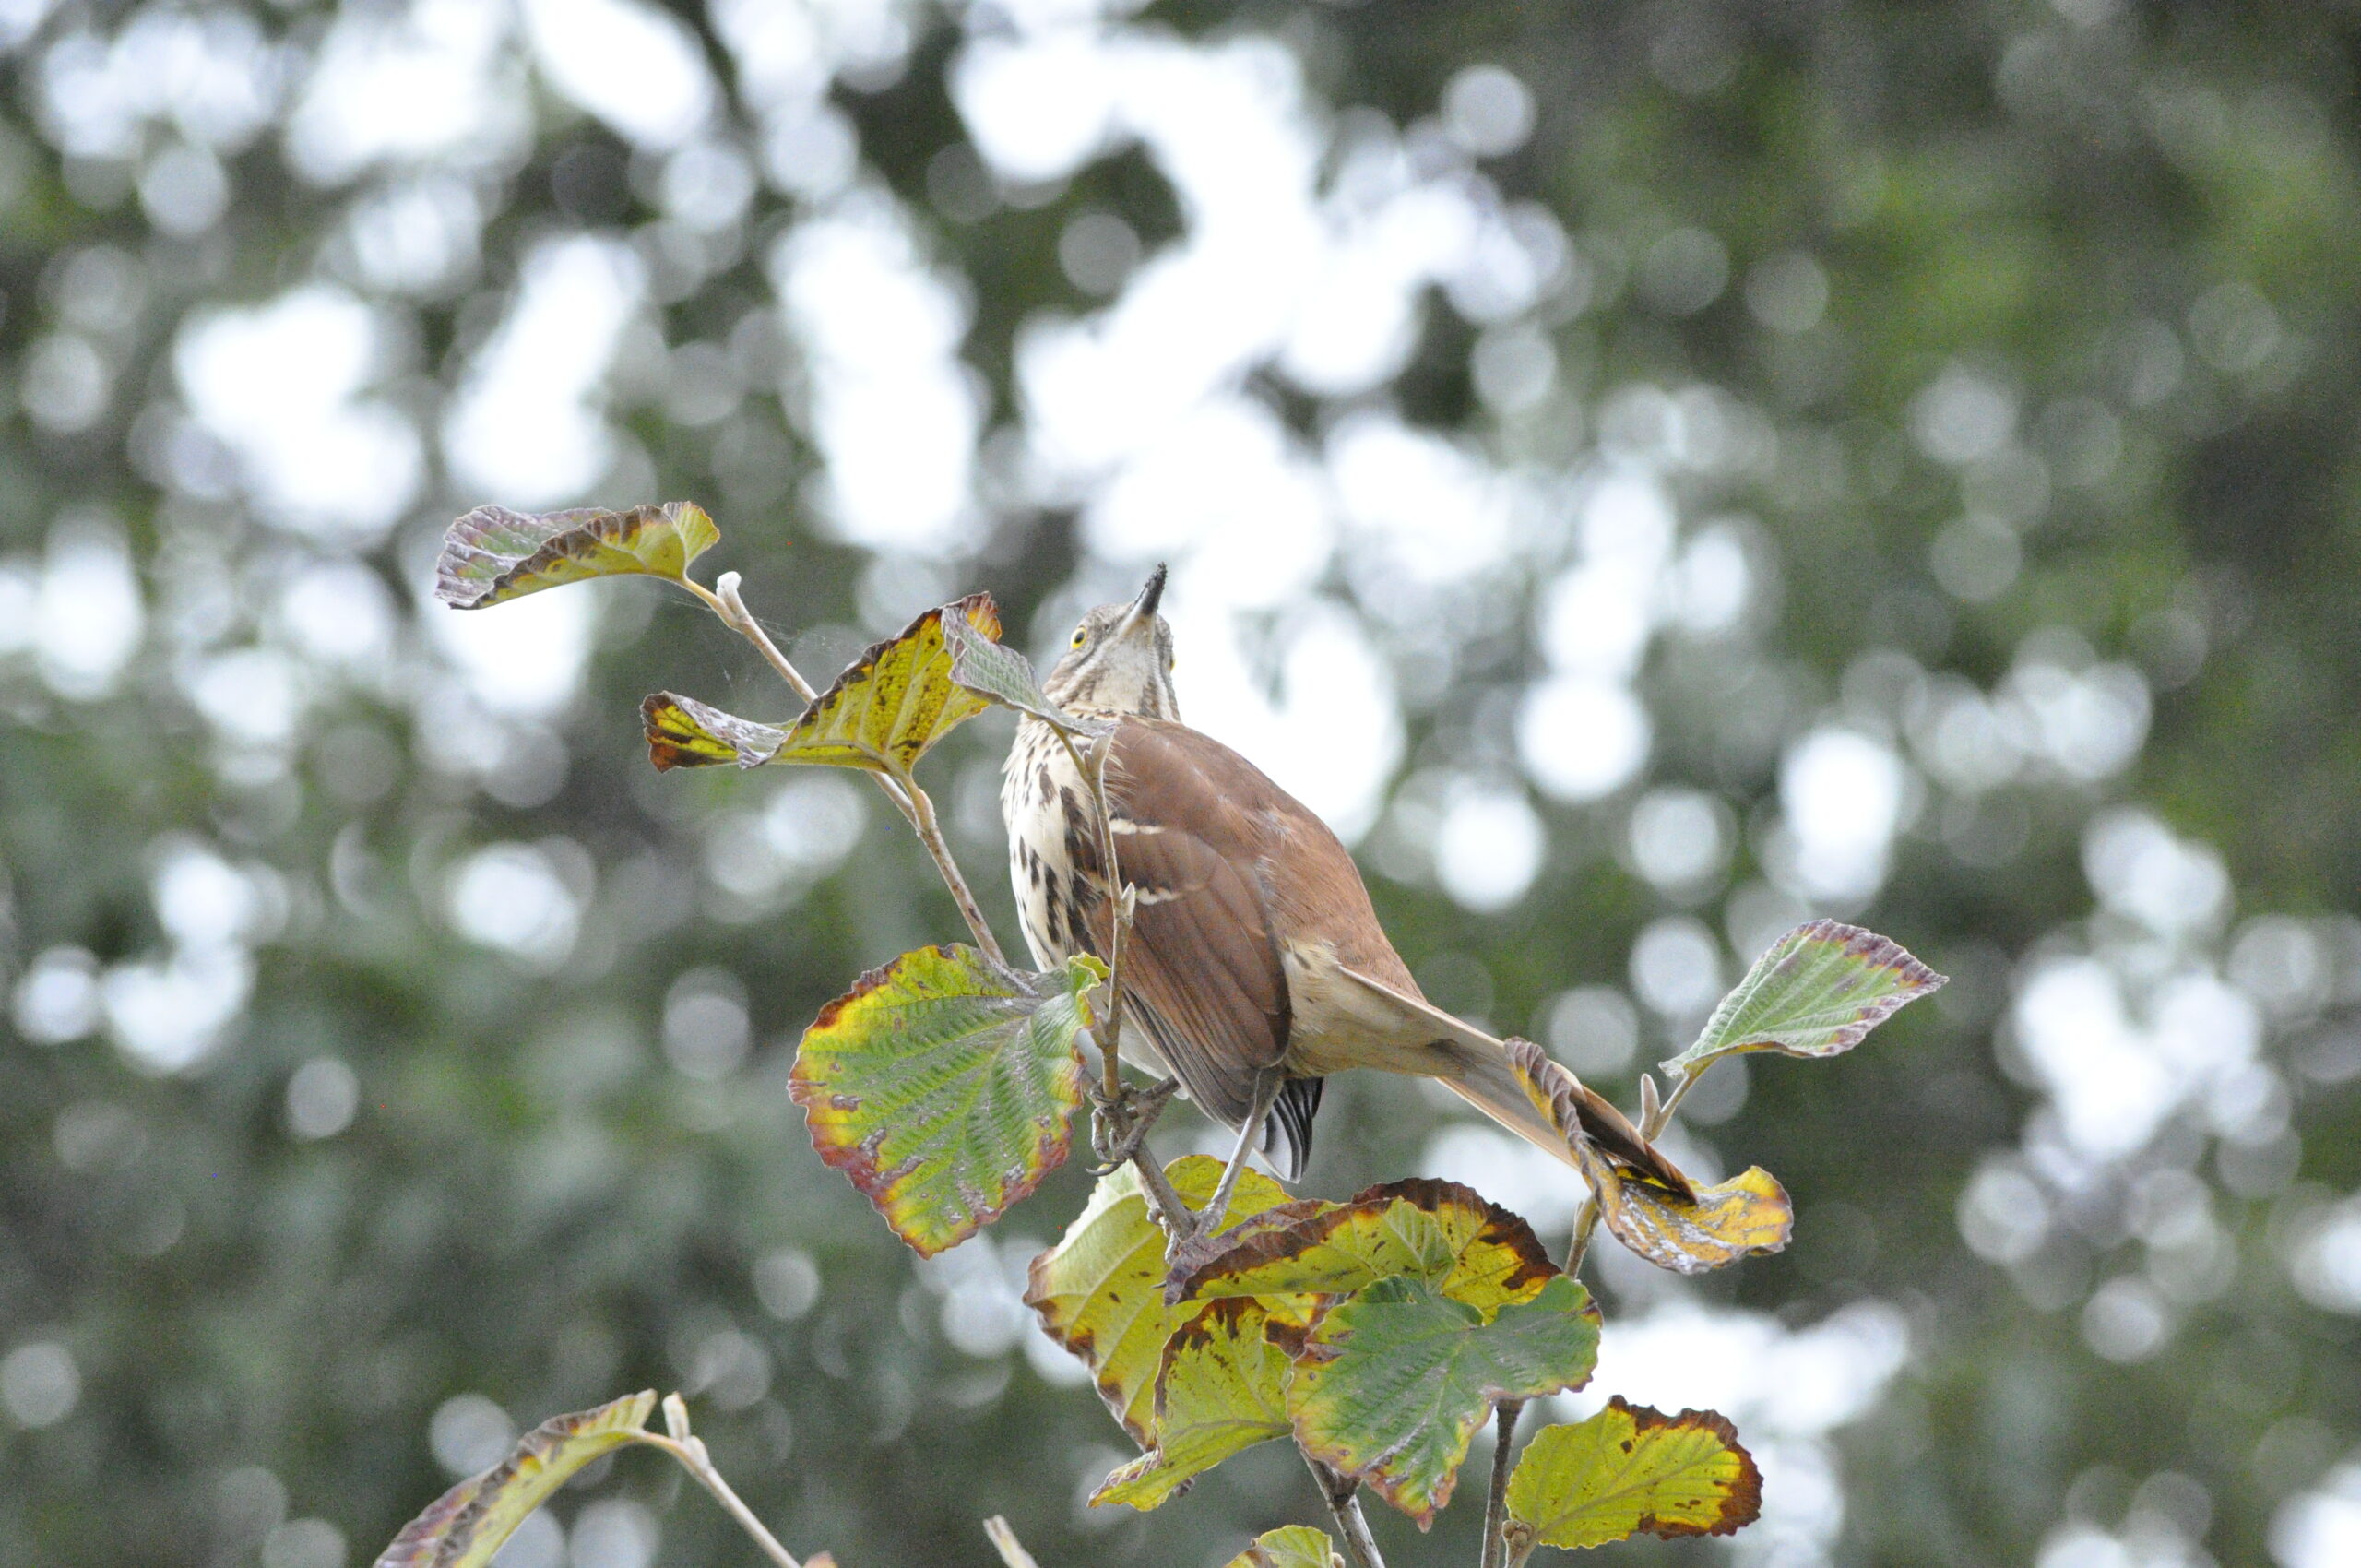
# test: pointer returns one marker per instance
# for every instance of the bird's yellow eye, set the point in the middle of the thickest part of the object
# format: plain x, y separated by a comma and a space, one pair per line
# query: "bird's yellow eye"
1079, 633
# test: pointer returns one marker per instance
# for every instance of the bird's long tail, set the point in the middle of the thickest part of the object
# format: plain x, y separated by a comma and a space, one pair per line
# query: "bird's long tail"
1484, 1072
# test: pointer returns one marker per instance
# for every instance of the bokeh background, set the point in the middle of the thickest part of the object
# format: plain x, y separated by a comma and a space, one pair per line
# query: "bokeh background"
1645, 473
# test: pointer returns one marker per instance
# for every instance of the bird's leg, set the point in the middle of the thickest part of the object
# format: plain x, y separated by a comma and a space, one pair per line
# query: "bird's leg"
1218, 1206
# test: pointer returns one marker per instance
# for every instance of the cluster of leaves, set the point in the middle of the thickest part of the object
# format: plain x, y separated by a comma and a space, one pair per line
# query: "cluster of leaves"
1379, 1335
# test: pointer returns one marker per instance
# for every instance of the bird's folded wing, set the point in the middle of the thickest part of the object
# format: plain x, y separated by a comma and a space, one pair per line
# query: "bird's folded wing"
1201, 956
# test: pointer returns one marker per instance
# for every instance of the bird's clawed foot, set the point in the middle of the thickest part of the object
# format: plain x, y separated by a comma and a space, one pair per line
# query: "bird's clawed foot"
1119, 1123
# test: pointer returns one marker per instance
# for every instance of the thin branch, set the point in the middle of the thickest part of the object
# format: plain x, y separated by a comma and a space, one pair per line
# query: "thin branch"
1496, 1499
1655, 1119
724, 600
921, 815
690, 1450
732, 609
1339, 1493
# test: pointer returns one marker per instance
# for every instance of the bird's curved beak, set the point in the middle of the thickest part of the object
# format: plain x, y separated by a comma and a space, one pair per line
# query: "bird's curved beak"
1142, 610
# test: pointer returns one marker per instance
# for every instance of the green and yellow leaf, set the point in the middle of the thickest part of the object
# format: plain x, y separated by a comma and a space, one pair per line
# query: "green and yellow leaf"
1222, 1387
943, 1085
1392, 1384
1099, 1291
1439, 1232
494, 554
1292, 1546
1630, 1470
1748, 1213
999, 673
1817, 992
463, 1527
685, 733
896, 700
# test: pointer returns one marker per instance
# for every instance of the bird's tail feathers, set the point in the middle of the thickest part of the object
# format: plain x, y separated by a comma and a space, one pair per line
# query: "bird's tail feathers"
1484, 1072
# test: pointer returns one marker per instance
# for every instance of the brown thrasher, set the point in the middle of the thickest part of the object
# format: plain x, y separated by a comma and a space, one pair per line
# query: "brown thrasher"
1255, 965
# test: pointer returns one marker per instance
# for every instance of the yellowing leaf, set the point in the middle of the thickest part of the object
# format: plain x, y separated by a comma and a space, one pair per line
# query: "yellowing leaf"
685, 733
463, 1527
1100, 1291
1816, 991
1579, 1114
1630, 1470
896, 699
1000, 674
1473, 1251
1222, 1387
494, 554
942, 1086
1392, 1384
1748, 1213
1292, 1546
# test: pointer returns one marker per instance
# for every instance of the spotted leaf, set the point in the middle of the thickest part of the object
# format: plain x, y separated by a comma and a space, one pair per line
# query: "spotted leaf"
1446, 1235
467, 1524
494, 554
1222, 1387
1630, 1470
943, 1085
1292, 1546
1748, 1213
1099, 1291
685, 733
896, 700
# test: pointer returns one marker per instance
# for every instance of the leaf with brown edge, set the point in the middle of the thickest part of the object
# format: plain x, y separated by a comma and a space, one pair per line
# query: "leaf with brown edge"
492, 555
1221, 1388
1394, 1384
467, 1524
1290, 1546
1748, 1213
1446, 1235
1001, 674
1099, 1292
1630, 1470
896, 700
685, 733
943, 1085
1816, 991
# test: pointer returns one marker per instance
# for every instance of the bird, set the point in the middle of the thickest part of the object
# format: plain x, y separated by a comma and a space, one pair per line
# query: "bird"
1254, 966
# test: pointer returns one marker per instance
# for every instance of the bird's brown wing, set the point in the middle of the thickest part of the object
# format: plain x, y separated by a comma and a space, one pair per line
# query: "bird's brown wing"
1201, 956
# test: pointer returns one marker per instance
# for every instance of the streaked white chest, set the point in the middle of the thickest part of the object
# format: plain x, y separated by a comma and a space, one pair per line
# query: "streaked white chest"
1042, 802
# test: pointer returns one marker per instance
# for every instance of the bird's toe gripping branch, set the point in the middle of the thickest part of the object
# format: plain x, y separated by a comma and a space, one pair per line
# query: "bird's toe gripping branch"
1119, 1123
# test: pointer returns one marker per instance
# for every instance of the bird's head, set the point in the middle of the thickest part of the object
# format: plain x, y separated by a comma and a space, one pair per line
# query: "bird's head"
1121, 659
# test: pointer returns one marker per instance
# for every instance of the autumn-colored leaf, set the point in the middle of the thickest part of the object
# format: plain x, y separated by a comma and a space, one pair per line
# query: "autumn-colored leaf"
896, 700
1748, 1213
467, 1524
1221, 1388
1000, 674
1630, 1470
1392, 1384
1817, 992
685, 733
1448, 1236
943, 1085
494, 554
1099, 1291
1291, 1546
